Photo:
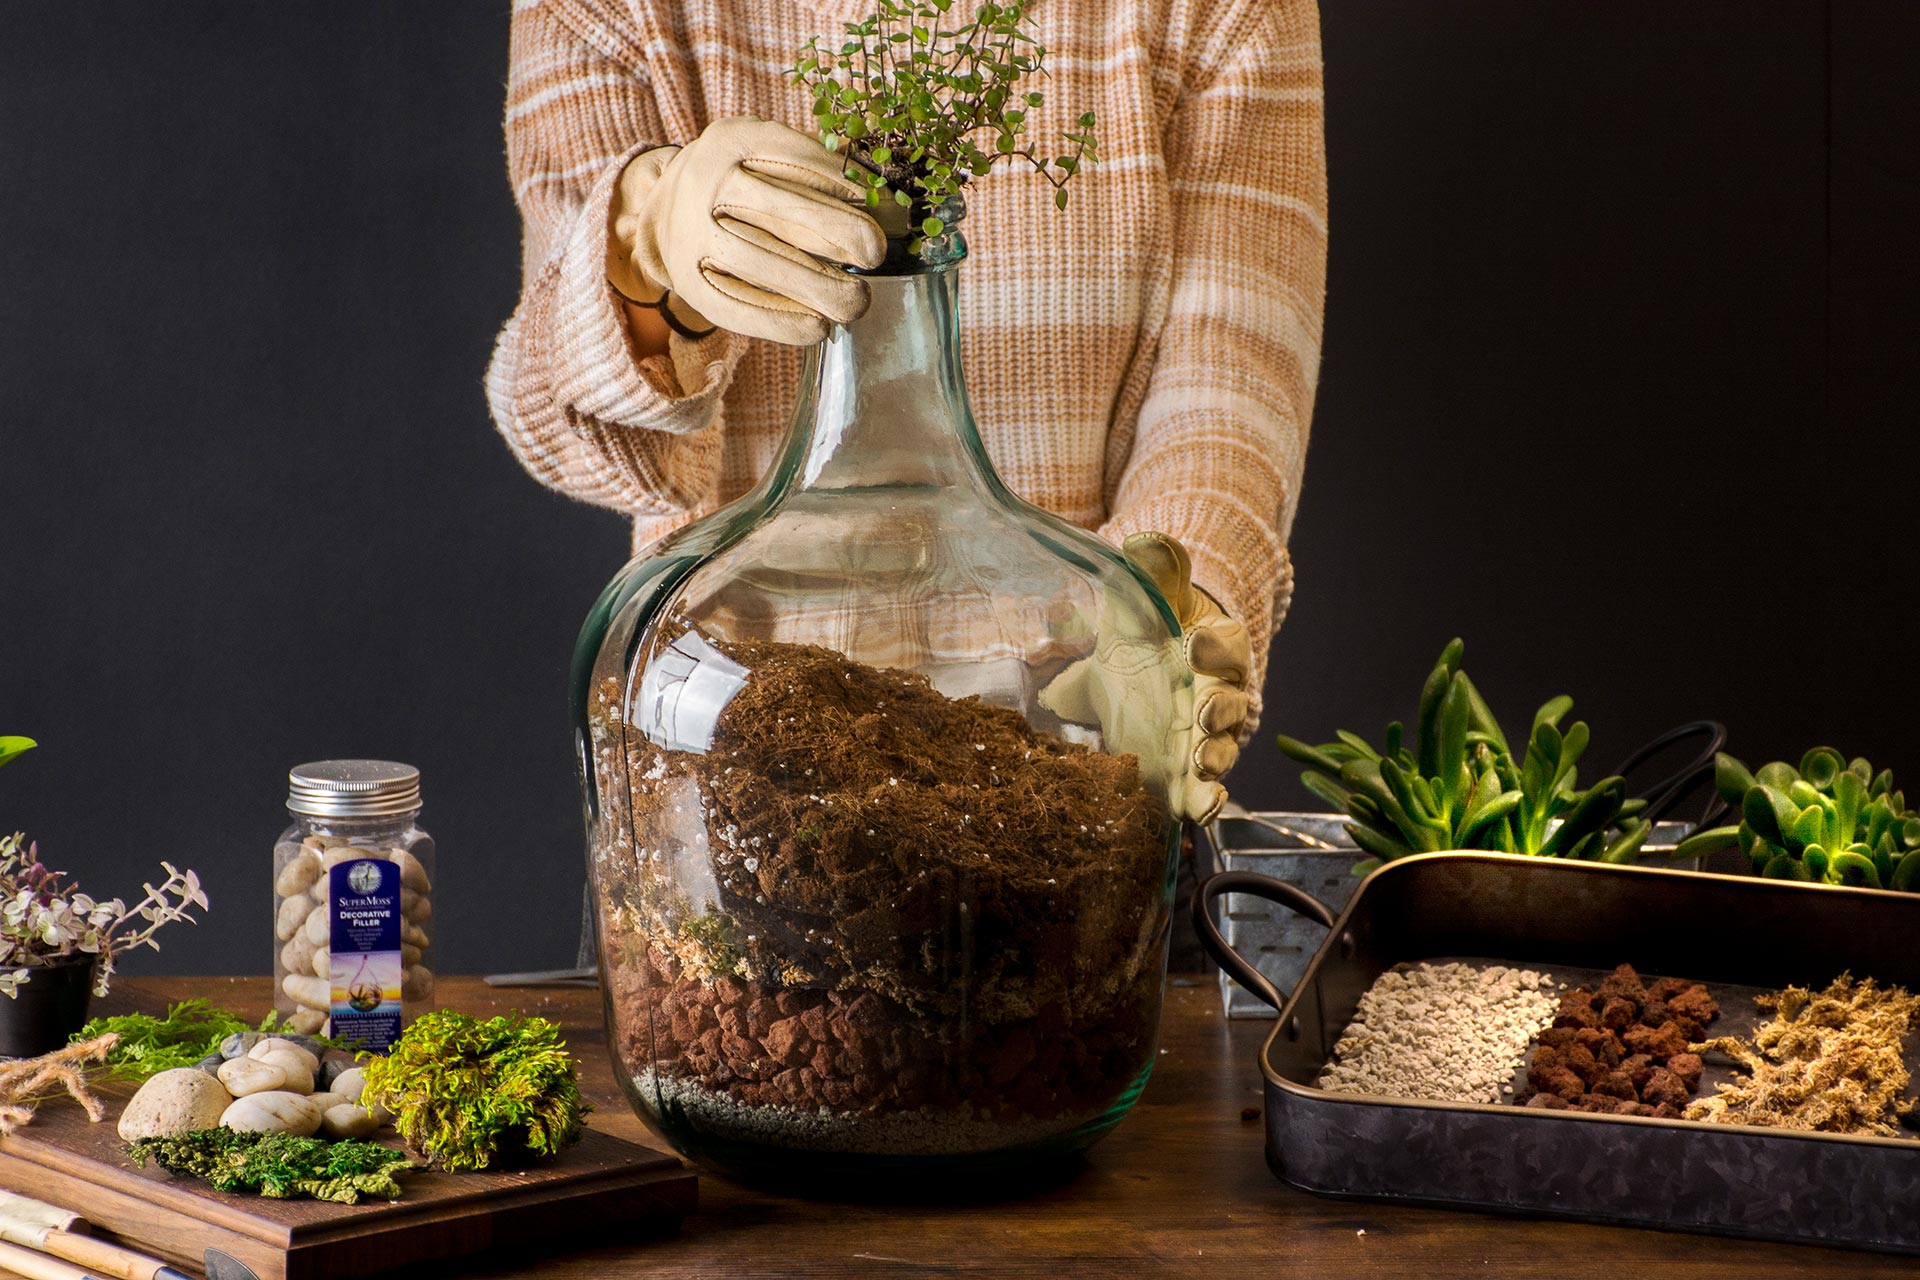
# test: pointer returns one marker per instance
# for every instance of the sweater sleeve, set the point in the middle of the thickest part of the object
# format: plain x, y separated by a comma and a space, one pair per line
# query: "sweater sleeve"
1220, 443
583, 413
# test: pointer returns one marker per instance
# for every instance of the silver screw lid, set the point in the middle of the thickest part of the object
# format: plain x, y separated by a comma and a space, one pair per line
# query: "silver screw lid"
353, 788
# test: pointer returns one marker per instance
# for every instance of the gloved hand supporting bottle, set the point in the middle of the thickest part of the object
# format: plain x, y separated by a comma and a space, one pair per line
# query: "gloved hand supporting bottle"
1137, 687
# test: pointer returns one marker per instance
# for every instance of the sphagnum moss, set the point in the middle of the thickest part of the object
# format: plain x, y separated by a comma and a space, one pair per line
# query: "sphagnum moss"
470, 1093
1831, 1061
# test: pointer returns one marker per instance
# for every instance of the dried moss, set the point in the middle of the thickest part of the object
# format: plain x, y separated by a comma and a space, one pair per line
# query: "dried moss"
1830, 1063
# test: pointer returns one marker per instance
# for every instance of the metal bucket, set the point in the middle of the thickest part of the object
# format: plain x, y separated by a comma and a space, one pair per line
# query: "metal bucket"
1312, 851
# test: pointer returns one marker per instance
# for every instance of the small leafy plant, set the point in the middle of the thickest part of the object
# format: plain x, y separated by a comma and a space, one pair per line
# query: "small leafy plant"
45, 919
1458, 786
471, 1094
279, 1165
1831, 821
922, 102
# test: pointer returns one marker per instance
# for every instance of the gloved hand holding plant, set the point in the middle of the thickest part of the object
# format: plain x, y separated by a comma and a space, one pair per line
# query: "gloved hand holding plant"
734, 226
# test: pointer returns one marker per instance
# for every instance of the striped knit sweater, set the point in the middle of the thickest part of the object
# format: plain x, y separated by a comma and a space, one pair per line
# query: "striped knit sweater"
1144, 360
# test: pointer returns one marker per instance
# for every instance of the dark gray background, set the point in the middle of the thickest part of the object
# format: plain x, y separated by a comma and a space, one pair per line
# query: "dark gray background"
1622, 300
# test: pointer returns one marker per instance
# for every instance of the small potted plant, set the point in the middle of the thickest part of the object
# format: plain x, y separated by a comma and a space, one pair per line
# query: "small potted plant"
58, 945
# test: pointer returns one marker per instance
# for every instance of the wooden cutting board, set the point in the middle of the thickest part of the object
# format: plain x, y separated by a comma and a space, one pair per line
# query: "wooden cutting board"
601, 1188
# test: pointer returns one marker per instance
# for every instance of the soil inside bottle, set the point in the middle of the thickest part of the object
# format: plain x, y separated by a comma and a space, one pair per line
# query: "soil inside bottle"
931, 928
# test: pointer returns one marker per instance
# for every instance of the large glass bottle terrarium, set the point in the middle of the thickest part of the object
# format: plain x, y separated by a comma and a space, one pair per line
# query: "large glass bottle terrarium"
882, 864
868, 888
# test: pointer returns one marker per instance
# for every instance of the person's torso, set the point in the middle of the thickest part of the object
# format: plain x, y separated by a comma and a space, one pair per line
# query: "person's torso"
1058, 307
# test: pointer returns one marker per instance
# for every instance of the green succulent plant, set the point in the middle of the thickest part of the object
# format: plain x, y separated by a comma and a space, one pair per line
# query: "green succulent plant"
1831, 821
1458, 786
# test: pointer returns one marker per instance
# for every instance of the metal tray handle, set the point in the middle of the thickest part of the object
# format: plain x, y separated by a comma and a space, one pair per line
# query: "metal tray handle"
1255, 885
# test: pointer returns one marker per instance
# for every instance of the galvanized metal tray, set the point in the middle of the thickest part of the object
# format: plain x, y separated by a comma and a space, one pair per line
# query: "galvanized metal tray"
1734, 933
1311, 851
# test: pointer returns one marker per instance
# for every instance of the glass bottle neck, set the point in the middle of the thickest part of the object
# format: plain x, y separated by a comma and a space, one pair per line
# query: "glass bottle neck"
884, 402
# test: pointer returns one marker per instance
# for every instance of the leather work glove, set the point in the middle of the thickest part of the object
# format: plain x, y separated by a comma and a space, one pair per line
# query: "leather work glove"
1134, 686
731, 226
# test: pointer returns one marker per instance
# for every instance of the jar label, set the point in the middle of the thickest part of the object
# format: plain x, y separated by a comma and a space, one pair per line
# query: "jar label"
365, 934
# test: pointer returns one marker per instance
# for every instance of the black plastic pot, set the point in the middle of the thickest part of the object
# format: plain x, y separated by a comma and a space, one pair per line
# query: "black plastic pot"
46, 1009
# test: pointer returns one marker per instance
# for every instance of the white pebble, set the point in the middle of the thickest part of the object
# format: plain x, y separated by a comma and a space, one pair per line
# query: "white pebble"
275, 1111
298, 875
348, 1120
315, 993
243, 1076
264, 1049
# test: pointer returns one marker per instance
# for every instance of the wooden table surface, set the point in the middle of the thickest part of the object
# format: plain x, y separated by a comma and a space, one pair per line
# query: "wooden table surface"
1180, 1188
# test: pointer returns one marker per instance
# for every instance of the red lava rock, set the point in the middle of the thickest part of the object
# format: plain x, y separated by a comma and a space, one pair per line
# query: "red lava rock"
1664, 1087
1668, 1040
1547, 1102
788, 1041
1603, 1045
1624, 984
1667, 988
1577, 1010
1617, 1014
1615, 1084
1582, 1063
866, 1013
1561, 1082
1559, 1037
1625, 1045
1694, 1005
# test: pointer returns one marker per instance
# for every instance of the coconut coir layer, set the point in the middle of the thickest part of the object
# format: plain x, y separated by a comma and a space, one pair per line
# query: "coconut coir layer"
865, 831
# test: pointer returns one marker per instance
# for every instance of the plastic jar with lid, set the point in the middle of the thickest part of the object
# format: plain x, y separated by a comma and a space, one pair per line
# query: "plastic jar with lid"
353, 902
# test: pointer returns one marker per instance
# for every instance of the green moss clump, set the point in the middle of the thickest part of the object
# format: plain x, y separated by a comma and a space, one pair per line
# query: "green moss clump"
470, 1093
278, 1165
